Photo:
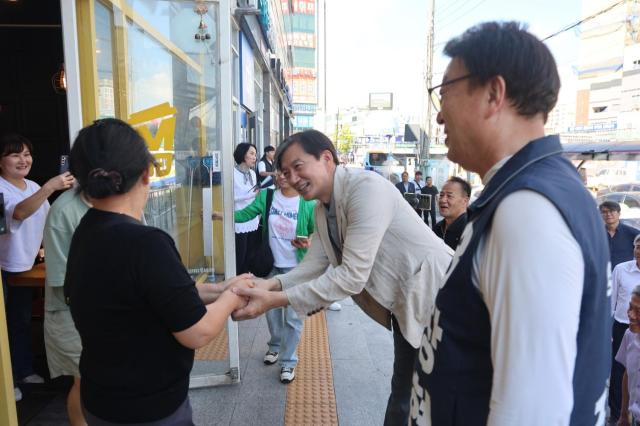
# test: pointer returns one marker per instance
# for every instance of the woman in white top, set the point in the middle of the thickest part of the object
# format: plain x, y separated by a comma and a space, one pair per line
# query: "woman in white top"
26, 207
245, 189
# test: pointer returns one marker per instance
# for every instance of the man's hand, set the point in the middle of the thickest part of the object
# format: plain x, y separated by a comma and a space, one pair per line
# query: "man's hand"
270, 284
209, 292
243, 280
260, 301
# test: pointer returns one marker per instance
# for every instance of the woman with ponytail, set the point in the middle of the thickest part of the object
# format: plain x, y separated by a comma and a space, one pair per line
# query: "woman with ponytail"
138, 312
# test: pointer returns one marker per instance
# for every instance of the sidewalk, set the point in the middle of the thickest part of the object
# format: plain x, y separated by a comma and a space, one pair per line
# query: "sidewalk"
361, 359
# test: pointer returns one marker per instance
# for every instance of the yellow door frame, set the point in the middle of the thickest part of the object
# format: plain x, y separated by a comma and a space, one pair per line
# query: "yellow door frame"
8, 414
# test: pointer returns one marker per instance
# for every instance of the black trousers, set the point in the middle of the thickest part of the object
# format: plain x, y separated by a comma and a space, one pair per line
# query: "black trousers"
431, 215
617, 371
404, 358
246, 245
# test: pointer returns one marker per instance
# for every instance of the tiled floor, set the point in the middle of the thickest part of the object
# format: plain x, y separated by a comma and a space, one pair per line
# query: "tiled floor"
361, 359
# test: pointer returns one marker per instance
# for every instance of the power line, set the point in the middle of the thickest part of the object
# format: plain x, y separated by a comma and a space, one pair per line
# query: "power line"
457, 14
449, 21
451, 11
448, 7
588, 18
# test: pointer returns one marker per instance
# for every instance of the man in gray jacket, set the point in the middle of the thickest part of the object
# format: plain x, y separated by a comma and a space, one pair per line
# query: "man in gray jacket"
369, 244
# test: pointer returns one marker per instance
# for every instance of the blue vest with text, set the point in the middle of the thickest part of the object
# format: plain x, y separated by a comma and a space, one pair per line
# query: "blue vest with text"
455, 358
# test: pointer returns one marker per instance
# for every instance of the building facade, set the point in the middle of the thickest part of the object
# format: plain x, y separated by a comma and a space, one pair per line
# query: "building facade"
300, 18
608, 95
195, 78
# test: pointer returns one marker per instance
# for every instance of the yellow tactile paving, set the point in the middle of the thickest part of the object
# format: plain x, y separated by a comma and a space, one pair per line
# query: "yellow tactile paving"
218, 349
310, 397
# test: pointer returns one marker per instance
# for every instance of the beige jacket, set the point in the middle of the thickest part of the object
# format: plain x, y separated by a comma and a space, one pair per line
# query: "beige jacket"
391, 261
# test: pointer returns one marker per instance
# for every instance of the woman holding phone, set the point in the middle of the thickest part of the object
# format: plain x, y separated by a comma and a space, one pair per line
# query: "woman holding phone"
287, 223
26, 207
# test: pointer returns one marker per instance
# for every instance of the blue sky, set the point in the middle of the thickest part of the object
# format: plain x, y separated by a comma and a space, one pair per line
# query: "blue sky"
380, 45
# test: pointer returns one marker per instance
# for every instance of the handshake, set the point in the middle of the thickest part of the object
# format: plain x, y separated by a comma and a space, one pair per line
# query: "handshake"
253, 296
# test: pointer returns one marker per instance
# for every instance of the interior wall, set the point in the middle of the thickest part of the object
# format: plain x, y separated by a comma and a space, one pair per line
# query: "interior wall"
31, 51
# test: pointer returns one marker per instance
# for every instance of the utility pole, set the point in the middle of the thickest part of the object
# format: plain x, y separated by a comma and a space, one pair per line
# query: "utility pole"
425, 139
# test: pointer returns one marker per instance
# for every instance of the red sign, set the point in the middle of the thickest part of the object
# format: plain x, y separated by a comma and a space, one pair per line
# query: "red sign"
296, 72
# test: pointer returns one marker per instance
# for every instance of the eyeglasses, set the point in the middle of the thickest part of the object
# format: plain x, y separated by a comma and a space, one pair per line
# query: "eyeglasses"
436, 100
604, 212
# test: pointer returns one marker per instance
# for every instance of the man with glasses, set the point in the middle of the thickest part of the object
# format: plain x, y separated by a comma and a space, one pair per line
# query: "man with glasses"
520, 331
622, 248
621, 236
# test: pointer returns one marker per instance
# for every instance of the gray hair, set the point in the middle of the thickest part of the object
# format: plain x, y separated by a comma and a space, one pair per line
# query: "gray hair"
636, 291
636, 239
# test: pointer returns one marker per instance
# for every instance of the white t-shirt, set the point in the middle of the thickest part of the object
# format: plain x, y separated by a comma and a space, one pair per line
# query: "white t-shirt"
283, 219
243, 195
268, 179
19, 246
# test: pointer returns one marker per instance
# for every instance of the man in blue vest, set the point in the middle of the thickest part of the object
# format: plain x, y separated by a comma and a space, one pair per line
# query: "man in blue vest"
520, 334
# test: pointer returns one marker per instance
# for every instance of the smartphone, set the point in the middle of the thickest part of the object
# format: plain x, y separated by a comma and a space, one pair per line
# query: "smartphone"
64, 164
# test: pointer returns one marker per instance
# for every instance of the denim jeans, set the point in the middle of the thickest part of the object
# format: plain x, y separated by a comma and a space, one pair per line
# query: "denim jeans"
285, 328
18, 315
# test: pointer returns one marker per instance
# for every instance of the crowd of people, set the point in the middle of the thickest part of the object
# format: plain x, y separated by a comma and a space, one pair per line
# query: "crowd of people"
501, 313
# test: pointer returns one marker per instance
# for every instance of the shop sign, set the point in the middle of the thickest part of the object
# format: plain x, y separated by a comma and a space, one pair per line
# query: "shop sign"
162, 119
307, 7
247, 75
612, 125
296, 72
299, 39
305, 108
265, 20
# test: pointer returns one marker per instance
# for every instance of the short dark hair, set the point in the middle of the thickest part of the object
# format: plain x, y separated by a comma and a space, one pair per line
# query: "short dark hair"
428, 177
108, 157
241, 150
611, 205
418, 173
269, 148
312, 142
463, 183
508, 50
13, 143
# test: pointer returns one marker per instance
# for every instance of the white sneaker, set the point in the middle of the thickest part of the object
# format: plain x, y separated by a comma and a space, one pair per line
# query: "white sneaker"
335, 306
287, 375
33, 379
18, 393
270, 358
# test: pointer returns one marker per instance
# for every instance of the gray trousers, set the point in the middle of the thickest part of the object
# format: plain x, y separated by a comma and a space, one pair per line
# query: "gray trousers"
181, 417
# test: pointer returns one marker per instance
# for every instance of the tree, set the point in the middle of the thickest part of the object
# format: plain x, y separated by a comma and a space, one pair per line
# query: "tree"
343, 138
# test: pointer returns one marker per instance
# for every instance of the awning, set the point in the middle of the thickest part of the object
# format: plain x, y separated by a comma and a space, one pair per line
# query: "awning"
618, 151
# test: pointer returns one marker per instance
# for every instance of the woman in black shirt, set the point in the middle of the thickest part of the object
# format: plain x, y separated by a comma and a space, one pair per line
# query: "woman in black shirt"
139, 314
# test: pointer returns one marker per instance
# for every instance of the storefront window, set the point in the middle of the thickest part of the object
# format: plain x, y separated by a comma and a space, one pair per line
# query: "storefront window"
104, 59
167, 85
